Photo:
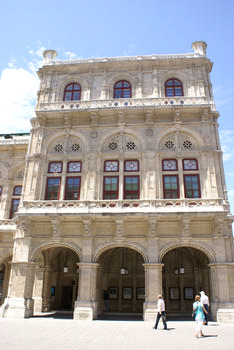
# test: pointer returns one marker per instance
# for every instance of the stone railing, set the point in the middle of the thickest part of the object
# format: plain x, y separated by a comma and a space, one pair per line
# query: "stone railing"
7, 224
123, 103
19, 141
123, 206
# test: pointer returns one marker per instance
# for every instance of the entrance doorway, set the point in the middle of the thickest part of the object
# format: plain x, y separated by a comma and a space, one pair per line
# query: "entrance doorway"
56, 280
185, 274
121, 282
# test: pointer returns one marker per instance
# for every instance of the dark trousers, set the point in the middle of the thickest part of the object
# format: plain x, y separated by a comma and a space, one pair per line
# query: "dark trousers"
206, 315
163, 315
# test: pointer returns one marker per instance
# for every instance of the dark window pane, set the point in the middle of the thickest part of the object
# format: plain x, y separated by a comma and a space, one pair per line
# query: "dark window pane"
76, 95
126, 84
118, 93
68, 96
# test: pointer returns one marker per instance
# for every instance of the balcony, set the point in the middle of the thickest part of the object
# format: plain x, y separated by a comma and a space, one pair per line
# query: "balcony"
124, 103
124, 206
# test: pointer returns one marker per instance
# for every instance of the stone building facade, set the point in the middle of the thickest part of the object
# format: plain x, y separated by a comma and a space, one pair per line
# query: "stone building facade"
119, 187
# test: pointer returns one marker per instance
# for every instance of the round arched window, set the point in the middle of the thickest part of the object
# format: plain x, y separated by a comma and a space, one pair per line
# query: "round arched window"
122, 89
72, 92
173, 87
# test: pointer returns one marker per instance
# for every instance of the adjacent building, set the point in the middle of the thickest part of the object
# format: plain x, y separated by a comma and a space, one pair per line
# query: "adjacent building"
118, 187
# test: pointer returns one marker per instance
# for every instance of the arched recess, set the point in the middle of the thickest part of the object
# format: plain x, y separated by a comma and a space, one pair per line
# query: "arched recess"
47, 245
56, 276
185, 273
61, 135
5, 268
68, 81
120, 279
101, 249
118, 77
199, 246
183, 131
128, 133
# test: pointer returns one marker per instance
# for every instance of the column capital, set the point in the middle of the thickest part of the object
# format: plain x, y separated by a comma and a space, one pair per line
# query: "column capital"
153, 266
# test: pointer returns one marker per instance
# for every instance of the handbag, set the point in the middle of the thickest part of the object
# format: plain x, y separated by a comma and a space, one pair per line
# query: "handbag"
194, 312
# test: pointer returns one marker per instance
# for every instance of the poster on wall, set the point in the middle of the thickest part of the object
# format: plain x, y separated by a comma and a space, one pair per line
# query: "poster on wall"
174, 293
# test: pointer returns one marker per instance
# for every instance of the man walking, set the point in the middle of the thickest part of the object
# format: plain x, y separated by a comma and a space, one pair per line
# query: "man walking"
161, 313
205, 302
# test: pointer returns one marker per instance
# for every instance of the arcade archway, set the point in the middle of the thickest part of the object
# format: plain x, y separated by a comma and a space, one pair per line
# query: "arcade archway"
56, 279
121, 280
185, 273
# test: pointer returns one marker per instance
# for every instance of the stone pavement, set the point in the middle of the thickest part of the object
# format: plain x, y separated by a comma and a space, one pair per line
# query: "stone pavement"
55, 334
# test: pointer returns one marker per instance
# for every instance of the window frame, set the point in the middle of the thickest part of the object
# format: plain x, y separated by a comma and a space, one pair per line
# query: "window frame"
13, 212
111, 171
122, 89
178, 186
199, 186
124, 187
169, 160
14, 190
131, 160
72, 91
55, 172
117, 191
173, 87
47, 180
65, 195
190, 160
72, 172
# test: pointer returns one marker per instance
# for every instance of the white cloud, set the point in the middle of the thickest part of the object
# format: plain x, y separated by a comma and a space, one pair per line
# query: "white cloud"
19, 84
227, 141
18, 91
70, 55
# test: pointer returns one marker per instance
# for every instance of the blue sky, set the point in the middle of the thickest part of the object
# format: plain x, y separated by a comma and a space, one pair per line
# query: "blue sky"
83, 29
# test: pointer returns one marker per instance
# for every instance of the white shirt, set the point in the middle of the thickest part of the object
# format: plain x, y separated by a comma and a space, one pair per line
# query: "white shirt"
161, 305
204, 300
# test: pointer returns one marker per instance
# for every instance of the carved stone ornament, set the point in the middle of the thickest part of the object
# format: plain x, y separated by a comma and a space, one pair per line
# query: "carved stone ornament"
93, 134
149, 132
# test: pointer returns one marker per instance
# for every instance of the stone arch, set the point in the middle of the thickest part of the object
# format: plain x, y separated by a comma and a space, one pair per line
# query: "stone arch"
208, 251
44, 246
15, 170
82, 82
192, 133
175, 75
4, 169
58, 136
118, 77
127, 131
103, 248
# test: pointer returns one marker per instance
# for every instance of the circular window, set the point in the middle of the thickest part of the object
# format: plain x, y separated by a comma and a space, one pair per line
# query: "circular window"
75, 147
187, 144
113, 146
169, 144
58, 148
131, 145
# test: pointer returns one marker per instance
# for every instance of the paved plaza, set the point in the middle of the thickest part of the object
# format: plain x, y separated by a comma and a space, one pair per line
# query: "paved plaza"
50, 333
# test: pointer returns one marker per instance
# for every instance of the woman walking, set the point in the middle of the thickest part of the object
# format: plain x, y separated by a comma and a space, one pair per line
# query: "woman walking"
200, 312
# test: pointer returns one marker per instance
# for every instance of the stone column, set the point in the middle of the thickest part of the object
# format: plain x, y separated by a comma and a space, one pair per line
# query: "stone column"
38, 288
222, 286
153, 287
19, 302
46, 288
86, 304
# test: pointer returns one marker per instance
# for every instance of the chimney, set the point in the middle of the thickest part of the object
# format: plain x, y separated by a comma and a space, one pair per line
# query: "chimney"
49, 55
199, 47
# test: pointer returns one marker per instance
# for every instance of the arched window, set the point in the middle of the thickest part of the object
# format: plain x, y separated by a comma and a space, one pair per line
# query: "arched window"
173, 87
72, 92
122, 89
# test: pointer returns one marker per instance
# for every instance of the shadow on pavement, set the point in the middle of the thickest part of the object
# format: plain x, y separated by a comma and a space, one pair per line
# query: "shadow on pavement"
63, 315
